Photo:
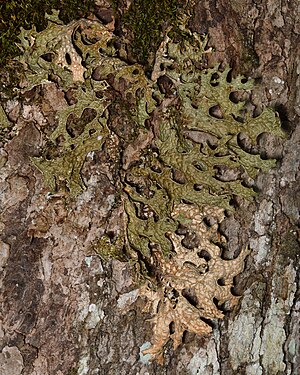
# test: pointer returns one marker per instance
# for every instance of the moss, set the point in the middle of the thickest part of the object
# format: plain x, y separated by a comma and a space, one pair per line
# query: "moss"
25, 13
146, 19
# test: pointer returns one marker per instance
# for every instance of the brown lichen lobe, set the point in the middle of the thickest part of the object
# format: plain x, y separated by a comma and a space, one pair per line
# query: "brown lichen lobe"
190, 281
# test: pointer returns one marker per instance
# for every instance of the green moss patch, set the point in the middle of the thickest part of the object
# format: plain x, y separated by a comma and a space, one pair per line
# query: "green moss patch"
146, 20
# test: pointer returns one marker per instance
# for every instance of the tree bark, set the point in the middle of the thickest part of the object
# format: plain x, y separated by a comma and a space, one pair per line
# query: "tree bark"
65, 310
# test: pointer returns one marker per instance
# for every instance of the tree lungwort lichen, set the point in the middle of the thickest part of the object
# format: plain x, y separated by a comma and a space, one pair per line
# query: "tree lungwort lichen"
200, 149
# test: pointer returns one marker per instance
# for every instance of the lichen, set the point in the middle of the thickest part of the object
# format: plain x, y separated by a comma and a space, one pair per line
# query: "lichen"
54, 51
24, 13
204, 153
190, 281
200, 148
62, 171
197, 155
59, 53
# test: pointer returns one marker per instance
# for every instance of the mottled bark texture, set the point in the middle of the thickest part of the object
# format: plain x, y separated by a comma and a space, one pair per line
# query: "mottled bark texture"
65, 311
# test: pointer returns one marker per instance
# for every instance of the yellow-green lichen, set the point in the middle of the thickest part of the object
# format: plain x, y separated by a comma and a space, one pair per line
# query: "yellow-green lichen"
188, 145
24, 13
211, 171
195, 155
68, 54
52, 52
63, 170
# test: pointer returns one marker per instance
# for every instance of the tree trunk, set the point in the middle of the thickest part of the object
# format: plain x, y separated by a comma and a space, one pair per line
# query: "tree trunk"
65, 309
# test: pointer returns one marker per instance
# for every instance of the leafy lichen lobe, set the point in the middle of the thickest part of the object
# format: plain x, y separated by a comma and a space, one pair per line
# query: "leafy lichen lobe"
24, 13
192, 280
